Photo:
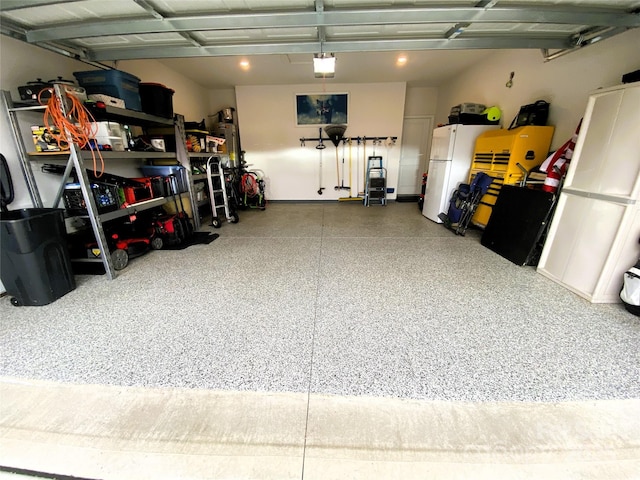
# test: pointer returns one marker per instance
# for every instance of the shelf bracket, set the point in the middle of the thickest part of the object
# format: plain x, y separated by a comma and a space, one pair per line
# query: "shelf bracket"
85, 186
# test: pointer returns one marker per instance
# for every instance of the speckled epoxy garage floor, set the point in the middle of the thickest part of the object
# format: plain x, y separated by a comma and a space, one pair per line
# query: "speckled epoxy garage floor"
325, 341
331, 298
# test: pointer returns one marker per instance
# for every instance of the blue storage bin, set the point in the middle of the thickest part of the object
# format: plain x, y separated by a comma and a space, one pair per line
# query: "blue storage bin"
165, 170
114, 83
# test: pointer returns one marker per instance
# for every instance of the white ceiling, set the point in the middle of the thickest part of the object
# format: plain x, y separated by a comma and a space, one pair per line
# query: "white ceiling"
205, 39
427, 68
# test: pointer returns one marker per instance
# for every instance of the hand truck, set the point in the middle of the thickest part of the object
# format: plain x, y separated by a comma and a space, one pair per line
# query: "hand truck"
218, 192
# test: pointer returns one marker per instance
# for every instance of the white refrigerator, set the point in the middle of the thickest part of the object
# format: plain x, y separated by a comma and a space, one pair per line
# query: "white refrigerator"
452, 149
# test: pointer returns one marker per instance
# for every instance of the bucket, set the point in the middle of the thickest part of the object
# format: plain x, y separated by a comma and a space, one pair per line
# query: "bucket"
226, 115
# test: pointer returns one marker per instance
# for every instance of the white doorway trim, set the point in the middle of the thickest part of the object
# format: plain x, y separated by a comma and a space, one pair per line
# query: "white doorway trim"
414, 155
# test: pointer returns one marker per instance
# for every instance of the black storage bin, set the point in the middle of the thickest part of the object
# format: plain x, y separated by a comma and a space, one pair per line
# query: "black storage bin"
156, 99
35, 263
472, 119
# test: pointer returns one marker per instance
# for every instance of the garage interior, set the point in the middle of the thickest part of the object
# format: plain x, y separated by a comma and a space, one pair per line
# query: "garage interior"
319, 338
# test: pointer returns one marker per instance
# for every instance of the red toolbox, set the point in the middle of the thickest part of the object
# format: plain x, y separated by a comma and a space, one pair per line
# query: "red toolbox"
136, 191
157, 185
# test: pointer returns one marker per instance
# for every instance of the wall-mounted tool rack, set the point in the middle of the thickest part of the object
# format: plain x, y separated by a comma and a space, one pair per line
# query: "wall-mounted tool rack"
359, 140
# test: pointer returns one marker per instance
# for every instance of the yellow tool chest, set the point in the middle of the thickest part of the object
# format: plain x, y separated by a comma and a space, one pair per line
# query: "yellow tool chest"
507, 156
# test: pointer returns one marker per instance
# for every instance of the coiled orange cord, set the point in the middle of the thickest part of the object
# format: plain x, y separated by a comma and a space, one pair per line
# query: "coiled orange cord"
78, 122
249, 185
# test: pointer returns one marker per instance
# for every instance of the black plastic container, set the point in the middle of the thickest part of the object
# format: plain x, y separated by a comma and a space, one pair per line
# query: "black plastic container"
156, 99
35, 265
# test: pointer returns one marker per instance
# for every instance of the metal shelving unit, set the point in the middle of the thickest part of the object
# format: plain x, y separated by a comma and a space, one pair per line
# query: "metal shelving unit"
76, 159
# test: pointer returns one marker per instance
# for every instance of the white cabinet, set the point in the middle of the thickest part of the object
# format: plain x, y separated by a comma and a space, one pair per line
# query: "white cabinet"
593, 238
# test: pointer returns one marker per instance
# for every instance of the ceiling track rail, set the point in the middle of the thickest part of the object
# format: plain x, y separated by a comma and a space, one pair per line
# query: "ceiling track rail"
582, 40
311, 47
11, 30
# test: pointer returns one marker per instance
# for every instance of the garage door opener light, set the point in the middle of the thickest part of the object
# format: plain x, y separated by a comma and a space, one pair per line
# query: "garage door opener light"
324, 65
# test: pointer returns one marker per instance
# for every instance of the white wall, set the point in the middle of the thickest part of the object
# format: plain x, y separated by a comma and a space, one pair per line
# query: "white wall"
219, 99
21, 63
564, 82
271, 139
421, 101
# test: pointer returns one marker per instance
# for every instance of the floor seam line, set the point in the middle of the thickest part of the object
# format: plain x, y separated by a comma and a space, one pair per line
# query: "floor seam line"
313, 342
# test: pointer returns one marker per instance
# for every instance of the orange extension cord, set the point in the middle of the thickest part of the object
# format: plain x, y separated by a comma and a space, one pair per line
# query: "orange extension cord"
249, 185
78, 122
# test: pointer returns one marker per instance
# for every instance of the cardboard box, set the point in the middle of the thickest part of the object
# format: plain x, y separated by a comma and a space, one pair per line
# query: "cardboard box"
213, 142
44, 139
196, 140
107, 100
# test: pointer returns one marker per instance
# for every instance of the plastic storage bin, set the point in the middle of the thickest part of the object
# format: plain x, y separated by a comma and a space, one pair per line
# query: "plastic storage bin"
35, 262
114, 83
156, 99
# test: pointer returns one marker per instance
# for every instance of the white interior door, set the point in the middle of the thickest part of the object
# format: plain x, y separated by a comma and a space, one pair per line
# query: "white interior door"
414, 155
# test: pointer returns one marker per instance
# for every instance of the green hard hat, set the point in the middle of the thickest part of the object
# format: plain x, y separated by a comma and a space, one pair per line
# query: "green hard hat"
492, 113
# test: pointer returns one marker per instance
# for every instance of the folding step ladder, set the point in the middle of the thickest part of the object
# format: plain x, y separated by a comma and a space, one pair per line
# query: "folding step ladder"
218, 192
375, 191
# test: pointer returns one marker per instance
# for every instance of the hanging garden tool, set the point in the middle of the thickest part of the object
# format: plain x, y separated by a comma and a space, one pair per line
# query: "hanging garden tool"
364, 165
350, 197
335, 133
341, 180
321, 146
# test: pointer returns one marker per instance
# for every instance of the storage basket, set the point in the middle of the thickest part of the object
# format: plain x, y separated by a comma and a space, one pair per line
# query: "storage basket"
108, 198
114, 83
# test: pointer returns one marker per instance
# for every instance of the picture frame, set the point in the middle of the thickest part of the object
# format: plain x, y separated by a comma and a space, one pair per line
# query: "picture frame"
319, 109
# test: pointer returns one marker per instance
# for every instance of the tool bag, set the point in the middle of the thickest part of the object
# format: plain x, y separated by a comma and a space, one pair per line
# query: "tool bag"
532, 114
630, 294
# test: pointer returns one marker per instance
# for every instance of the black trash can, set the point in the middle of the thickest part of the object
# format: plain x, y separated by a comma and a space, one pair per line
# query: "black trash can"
35, 265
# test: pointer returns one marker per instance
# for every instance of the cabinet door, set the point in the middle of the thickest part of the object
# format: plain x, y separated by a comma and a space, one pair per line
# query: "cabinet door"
582, 241
607, 154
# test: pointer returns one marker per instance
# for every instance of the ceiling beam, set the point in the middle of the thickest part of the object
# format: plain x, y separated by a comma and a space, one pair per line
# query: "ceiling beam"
335, 18
8, 5
322, 30
465, 43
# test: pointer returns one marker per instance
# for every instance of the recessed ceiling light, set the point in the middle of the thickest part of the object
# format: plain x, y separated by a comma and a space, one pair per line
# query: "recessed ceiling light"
402, 60
244, 64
